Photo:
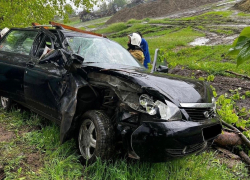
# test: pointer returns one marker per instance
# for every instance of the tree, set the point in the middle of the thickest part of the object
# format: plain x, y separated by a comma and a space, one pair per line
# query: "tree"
241, 47
120, 3
20, 13
68, 9
103, 6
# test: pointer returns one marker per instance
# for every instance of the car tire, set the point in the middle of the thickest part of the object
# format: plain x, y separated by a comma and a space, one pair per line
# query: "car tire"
95, 137
6, 103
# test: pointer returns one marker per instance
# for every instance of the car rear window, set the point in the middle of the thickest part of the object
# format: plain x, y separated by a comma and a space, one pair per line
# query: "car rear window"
18, 41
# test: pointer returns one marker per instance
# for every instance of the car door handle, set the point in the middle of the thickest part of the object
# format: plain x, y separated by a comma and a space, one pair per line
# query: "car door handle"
30, 64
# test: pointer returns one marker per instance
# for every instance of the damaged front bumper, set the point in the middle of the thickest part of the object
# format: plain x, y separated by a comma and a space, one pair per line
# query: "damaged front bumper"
161, 141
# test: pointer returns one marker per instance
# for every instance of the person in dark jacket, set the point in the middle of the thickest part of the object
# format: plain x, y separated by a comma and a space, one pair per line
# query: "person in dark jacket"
134, 47
144, 46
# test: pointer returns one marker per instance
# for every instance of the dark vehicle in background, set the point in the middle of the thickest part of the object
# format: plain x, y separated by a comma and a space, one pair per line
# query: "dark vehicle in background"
92, 86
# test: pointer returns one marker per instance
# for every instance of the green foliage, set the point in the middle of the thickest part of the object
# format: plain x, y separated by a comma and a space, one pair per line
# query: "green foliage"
210, 78
231, 113
247, 93
119, 3
226, 111
241, 47
21, 13
214, 91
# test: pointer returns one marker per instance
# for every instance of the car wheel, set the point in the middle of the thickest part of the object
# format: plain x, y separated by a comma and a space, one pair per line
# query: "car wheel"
6, 103
96, 137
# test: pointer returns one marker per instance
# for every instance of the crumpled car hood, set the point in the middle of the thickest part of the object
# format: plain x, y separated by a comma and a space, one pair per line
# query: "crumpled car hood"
177, 89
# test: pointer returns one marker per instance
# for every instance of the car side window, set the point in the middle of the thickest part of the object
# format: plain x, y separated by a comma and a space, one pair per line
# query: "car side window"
46, 42
18, 42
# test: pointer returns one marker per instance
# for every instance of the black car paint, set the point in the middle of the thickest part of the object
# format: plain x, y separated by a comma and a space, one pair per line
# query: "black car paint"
51, 88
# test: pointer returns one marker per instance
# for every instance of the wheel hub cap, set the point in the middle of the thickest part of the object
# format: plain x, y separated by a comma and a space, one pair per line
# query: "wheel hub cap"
4, 101
87, 139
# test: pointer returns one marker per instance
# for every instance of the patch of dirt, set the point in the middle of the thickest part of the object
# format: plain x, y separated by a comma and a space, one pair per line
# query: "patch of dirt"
243, 5
214, 39
222, 84
6, 135
155, 9
230, 163
34, 161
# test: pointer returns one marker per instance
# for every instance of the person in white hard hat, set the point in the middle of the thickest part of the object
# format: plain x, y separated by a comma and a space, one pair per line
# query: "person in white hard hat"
134, 47
3, 32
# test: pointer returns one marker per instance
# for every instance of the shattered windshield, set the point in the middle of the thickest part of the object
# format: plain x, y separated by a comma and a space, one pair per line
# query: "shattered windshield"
101, 51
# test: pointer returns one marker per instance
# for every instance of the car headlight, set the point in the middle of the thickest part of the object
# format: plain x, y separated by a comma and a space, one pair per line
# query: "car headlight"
168, 111
148, 103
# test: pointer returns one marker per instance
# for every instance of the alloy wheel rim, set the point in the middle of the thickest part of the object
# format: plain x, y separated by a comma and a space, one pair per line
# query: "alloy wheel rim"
4, 101
87, 139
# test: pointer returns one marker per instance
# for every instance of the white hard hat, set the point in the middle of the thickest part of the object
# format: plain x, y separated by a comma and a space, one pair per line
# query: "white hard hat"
4, 31
135, 39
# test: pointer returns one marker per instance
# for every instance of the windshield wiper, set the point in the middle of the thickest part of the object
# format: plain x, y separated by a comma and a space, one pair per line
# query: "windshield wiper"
79, 49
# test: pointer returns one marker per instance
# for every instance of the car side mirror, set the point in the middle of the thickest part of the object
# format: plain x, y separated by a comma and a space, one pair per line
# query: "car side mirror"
163, 69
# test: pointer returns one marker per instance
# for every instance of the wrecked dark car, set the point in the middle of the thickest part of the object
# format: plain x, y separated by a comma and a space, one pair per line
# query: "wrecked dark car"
95, 90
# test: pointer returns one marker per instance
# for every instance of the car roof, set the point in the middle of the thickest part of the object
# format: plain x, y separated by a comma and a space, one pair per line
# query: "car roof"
67, 33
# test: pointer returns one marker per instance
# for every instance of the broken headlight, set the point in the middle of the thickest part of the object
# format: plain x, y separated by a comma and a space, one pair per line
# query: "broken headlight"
148, 103
168, 111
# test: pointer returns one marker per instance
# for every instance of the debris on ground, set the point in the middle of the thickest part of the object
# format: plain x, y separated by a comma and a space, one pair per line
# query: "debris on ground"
228, 153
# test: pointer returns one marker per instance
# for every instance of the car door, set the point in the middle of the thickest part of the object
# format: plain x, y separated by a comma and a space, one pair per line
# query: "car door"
44, 83
15, 50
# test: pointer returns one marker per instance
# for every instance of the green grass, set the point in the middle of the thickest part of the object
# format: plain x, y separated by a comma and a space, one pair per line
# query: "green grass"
208, 16
212, 59
82, 28
91, 26
143, 28
243, 14
133, 21
35, 135
74, 21
116, 27
167, 39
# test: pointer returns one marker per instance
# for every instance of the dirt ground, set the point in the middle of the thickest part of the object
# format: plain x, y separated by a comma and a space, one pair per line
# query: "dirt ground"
155, 9
243, 5
32, 158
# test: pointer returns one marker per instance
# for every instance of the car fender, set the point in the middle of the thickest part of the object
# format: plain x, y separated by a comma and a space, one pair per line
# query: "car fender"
68, 102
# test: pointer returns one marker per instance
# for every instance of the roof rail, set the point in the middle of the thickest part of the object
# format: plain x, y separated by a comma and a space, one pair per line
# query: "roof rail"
75, 29
37, 25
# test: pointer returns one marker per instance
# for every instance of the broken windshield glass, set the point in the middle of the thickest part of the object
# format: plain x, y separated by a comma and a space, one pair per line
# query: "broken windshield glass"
101, 51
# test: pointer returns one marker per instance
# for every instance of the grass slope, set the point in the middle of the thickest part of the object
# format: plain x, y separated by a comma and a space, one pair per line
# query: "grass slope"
35, 153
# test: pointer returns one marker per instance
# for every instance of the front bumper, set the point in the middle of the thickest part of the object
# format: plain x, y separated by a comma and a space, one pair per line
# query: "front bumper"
160, 141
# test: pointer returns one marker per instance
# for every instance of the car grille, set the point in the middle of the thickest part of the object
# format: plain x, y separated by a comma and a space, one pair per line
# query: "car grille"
198, 114
187, 150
